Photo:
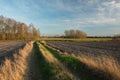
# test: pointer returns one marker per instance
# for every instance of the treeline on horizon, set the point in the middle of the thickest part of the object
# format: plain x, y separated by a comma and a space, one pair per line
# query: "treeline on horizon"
10, 29
80, 34
77, 34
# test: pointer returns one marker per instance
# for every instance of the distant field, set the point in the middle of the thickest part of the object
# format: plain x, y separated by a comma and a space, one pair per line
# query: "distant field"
7, 48
85, 39
90, 48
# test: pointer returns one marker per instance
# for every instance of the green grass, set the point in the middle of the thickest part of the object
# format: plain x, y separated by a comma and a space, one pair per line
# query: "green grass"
84, 39
50, 70
45, 67
77, 67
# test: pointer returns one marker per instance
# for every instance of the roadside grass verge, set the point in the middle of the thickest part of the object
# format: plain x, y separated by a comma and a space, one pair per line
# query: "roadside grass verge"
71, 62
89, 68
50, 68
15, 70
105, 63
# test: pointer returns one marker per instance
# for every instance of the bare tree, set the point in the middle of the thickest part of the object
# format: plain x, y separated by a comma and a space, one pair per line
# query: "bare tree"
75, 34
116, 37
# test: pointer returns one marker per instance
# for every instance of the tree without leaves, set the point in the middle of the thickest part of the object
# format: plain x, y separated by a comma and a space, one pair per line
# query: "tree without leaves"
116, 37
75, 34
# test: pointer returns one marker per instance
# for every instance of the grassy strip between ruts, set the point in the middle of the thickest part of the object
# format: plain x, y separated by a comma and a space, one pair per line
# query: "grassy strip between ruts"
50, 70
77, 67
44, 66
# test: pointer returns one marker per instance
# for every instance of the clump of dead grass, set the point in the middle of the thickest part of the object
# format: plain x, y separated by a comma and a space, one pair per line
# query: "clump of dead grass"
15, 70
107, 64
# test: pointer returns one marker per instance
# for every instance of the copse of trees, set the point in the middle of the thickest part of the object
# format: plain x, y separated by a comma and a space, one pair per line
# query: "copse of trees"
13, 30
116, 37
75, 34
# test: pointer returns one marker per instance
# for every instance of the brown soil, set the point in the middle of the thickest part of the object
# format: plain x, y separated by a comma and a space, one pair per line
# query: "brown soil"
33, 70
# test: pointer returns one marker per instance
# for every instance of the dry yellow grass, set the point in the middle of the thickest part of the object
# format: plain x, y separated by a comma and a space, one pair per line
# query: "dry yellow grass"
58, 68
15, 70
104, 63
48, 56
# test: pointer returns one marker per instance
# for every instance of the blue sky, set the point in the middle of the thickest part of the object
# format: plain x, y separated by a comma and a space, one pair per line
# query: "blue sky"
52, 17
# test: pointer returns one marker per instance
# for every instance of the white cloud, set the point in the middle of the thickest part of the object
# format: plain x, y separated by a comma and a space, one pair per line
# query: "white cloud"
108, 13
112, 4
111, 8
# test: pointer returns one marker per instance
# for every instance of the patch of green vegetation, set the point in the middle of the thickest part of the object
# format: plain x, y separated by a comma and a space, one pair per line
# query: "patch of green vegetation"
45, 67
50, 71
77, 67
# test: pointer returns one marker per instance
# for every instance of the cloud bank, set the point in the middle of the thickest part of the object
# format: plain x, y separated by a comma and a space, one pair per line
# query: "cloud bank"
91, 16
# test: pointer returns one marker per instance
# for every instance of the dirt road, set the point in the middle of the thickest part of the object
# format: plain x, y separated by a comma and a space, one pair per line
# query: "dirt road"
33, 70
